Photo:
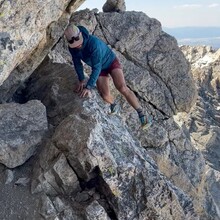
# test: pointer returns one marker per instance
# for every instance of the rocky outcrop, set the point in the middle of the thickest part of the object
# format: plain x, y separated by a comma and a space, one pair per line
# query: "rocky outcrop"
28, 32
203, 121
94, 162
89, 139
103, 154
141, 46
22, 128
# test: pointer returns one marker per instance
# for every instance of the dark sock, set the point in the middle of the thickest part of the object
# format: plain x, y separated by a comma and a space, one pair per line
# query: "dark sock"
140, 112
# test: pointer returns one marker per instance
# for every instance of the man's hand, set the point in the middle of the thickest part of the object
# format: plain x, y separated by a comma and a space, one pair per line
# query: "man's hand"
80, 86
85, 92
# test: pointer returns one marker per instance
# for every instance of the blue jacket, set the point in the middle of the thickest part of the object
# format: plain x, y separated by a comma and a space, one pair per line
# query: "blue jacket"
95, 53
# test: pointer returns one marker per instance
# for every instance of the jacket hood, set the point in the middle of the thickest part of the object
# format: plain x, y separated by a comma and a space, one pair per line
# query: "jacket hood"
85, 34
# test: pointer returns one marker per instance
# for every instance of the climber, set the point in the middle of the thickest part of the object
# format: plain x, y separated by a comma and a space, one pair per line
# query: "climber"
103, 61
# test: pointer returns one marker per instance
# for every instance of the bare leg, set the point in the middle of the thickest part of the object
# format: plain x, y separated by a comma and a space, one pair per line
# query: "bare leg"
104, 90
119, 82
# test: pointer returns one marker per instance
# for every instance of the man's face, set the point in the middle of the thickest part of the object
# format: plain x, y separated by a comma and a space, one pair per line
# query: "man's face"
74, 37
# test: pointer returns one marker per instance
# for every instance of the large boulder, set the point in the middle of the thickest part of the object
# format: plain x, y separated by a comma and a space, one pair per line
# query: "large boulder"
22, 128
114, 6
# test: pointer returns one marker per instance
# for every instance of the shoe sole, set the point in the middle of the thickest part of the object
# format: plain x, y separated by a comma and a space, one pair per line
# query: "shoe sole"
112, 113
146, 126
115, 112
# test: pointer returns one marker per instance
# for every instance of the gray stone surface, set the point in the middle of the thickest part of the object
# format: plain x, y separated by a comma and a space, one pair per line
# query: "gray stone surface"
16, 201
22, 128
203, 122
154, 66
96, 212
114, 6
28, 32
90, 138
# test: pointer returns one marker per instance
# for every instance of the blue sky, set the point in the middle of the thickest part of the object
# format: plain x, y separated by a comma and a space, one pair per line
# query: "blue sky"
172, 13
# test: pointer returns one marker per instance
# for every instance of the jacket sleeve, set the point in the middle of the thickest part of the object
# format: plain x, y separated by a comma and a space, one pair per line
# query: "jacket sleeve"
96, 65
78, 67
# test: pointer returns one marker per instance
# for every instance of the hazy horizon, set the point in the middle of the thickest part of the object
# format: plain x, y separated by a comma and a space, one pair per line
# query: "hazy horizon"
194, 36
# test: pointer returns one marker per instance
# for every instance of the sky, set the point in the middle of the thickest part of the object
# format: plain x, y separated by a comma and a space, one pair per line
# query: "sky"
172, 13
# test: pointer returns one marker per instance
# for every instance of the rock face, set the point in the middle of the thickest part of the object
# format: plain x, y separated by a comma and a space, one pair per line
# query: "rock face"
103, 154
22, 128
154, 66
28, 32
203, 122
98, 166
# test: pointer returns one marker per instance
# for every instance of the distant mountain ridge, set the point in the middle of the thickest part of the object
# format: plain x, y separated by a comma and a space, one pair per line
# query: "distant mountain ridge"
194, 32
196, 35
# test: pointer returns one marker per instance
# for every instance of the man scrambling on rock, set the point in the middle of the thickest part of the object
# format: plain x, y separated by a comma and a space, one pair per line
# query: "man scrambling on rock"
104, 63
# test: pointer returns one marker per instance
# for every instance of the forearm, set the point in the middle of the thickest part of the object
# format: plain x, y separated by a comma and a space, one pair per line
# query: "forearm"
79, 69
93, 77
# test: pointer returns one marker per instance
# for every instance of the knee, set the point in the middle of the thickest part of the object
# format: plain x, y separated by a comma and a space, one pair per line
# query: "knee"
123, 89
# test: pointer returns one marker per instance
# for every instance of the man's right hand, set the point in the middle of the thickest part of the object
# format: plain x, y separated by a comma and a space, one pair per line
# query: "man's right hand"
80, 86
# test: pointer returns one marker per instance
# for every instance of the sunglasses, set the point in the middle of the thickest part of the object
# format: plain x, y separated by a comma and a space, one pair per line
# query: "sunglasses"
73, 39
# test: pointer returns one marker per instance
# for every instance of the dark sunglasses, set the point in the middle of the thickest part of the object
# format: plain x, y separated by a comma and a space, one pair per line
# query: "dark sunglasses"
73, 39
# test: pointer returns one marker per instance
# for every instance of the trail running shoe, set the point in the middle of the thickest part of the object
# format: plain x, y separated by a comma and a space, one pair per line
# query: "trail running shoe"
146, 121
114, 109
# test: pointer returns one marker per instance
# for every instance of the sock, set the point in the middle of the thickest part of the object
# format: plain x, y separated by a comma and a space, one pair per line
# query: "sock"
140, 112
